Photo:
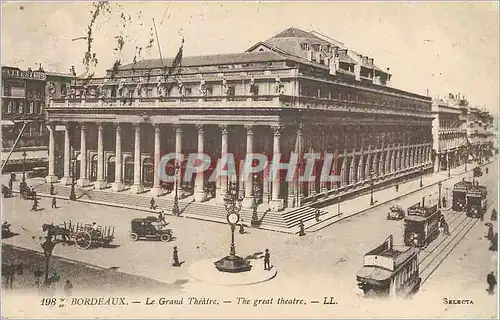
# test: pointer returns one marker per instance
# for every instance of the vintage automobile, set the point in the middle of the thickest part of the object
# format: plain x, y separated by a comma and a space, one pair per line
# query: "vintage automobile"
396, 212
38, 172
150, 228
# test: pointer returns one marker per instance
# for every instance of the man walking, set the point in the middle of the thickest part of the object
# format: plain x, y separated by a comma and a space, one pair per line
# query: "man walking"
54, 203
51, 189
176, 258
35, 204
38, 274
301, 229
316, 215
152, 204
492, 282
267, 260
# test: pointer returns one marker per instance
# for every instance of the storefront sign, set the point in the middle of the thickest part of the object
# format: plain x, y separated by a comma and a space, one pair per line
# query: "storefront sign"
16, 73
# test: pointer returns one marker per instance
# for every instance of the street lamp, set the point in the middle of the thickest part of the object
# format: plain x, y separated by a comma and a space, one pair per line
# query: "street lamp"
372, 173
48, 247
440, 185
449, 168
421, 176
72, 194
24, 166
255, 219
232, 263
175, 208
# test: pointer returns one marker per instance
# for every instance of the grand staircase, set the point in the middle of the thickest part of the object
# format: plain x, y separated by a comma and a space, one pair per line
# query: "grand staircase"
204, 211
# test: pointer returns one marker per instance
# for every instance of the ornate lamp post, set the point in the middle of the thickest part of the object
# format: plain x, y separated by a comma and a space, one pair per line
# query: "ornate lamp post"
255, 218
48, 247
372, 173
72, 194
232, 263
175, 208
421, 176
24, 166
440, 185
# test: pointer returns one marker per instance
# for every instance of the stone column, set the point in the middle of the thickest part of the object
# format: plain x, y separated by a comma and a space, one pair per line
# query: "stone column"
137, 187
67, 157
51, 177
387, 161
343, 170
300, 185
199, 184
118, 185
375, 165
361, 167
393, 159
248, 200
352, 169
100, 182
276, 203
368, 163
157, 191
83, 181
223, 179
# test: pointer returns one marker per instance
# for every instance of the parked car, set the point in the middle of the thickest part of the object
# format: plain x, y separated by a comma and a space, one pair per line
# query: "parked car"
38, 172
396, 212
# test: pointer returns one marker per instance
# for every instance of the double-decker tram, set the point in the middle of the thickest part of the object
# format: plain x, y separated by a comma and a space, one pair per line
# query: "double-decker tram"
459, 195
388, 272
476, 201
421, 224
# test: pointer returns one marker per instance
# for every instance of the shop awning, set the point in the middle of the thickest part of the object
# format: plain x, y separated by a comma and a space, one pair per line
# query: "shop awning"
31, 155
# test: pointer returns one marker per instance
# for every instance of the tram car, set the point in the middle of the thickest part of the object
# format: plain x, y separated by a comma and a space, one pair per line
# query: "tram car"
421, 225
476, 201
459, 195
388, 272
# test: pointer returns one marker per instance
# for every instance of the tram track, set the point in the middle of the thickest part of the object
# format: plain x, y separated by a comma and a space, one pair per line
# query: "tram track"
439, 253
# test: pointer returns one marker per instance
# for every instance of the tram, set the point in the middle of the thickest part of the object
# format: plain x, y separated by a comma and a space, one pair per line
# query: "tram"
476, 201
421, 225
459, 195
388, 272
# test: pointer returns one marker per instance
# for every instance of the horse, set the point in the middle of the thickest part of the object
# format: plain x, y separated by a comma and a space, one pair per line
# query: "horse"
55, 231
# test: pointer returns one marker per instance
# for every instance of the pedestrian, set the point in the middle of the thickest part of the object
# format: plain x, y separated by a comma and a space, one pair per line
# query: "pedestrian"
51, 189
267, 260
242, 227
444, 202
54, 203
492, 282
301, 229
11, 270
19, 269
38, 274
152, 204
176, 258
397, 187
494, 242
68, 288
446, 228
493, 215
35, 204
316, 215
491, 233
11, 182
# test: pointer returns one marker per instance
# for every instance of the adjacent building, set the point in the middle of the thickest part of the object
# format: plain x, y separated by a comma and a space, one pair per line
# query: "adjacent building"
449, 129
295, 92
481, 133
24, 97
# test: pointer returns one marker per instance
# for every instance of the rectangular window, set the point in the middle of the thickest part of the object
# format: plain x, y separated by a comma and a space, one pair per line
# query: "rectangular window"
187, 91
230, 91
32, 107
149, 93
9, 106
210, 91
20, 107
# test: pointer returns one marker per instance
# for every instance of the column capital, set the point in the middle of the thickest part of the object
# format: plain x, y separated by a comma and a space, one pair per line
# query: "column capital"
137, 127
100, 126
200, 128
277, 129
82, 125
223, 128
178, 128
249, 129
117, 126
300, 128
157, 127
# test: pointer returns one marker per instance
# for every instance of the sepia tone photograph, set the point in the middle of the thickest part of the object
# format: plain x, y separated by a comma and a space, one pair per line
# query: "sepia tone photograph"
288, 159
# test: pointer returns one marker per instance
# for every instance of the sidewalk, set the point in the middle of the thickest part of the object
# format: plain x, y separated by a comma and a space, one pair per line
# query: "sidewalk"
360, 204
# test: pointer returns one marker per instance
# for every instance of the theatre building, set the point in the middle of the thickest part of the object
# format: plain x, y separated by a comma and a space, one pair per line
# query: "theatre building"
295, 92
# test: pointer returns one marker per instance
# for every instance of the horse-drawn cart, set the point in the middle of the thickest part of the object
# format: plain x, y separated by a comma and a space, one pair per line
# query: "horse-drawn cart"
88, 235
83, 235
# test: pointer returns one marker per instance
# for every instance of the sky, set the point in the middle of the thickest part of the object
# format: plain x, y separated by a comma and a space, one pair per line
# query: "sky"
442, 47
